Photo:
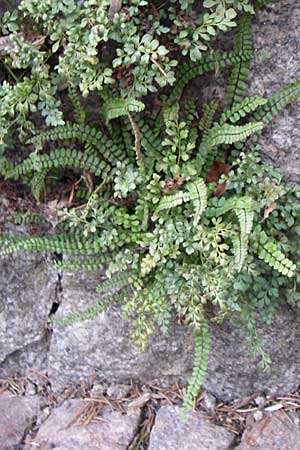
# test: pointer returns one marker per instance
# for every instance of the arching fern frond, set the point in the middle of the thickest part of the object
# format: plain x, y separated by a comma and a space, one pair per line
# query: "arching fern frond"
240, 249
198, 196
230, 134
61, 158
118, 107
269, 252
277, 102
201, 355
60, 243
208, 113
241, 109
237, 84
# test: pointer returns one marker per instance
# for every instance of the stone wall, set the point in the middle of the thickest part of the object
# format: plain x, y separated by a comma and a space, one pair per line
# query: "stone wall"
100, 350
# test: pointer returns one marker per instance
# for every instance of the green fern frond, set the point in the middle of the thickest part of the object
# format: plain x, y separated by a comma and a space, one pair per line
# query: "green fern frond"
79, 111
269, 252
37, 183
61, 158
240, 250
245, 214
201, 356
118, 107
241, 109
116, 283
171, 201
237, 84
208, 63
90, 263
208, 113
277, 102
230, 134
198, 196
60, 243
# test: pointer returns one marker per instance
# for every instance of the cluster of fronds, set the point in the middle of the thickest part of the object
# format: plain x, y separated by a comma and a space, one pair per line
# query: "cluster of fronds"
175, 221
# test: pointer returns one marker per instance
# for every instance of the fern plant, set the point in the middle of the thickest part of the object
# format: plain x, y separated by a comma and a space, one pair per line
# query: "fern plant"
175, 207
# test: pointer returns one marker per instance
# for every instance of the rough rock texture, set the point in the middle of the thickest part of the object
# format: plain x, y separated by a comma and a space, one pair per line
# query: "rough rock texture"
232, 371
25, 301
173, 432
16, 418
103, 347
62, 430
276, 63
273, 432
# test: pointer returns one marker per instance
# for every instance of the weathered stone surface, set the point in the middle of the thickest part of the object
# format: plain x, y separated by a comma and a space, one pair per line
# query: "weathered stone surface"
26, 294
276, 63
17, 415
273, 432
232, 371
102, 346
172, 432
62, 430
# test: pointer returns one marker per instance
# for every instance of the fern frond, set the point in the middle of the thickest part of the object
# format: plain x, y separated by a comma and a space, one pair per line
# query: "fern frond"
208, 113
241, 109
198, 196
90, 263
60, 158
37, 183
116, 283
189, 70
137, 142
201, 355
240, 249
237, 84
118, 107
277, 102
269, 252
79, 111
170, 201
60, 243
230, 134
92, 311
245, 214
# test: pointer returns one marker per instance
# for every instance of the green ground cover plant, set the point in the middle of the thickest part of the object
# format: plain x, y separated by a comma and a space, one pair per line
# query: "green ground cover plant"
172, 203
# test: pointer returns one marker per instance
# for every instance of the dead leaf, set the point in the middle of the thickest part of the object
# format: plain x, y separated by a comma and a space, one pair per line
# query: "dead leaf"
140, 401
269, 209
218, 168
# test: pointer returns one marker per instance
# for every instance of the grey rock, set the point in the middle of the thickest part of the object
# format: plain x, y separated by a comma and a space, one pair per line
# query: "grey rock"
273, 432
233, 372
17, 417
276, 63
101, 348
173, 431
63, 430
26, 294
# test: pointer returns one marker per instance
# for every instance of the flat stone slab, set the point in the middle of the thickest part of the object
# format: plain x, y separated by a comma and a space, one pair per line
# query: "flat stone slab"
274, 432
64, 431
17, 415
172, 432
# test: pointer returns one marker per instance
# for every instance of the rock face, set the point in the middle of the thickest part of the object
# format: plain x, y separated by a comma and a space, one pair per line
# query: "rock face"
172, 431
276, 63
102, 346
64, 431
17, 416
25, 301
273, 432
